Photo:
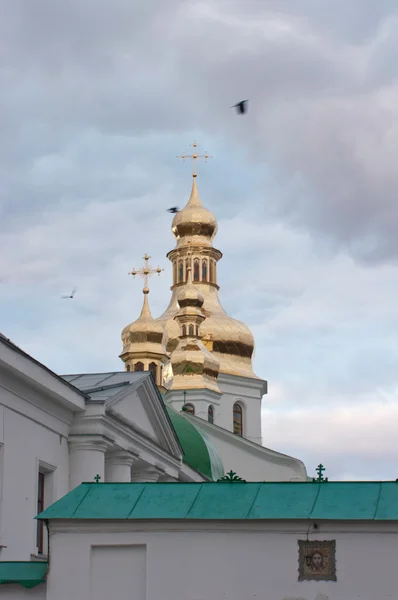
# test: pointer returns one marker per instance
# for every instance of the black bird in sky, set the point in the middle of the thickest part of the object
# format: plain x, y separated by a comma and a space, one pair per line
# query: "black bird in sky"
241, 107
72, 295
173, 209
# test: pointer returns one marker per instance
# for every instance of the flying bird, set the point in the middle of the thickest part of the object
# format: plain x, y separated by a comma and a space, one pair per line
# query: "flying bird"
173, 209
241, 107
72, 295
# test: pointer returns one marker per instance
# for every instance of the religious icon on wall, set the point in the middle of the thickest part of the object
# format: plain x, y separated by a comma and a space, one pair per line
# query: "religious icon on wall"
317, 560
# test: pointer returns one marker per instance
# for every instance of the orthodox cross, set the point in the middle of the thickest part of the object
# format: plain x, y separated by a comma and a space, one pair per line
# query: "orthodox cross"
320, 478
194, 156
146, 271
97, 478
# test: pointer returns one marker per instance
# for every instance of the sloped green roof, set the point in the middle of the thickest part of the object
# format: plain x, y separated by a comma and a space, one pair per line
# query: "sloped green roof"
27, 574
370, 500
199, 452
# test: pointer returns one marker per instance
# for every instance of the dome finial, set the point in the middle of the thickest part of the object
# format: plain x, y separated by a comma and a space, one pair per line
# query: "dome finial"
145, 272
194, 157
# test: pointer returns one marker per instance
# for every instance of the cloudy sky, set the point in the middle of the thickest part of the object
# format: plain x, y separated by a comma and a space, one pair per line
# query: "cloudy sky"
97, 99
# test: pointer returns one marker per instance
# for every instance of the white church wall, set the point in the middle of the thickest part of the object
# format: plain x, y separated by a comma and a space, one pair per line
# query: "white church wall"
33, 437
17, 592
28, 447
191, 561
246, 392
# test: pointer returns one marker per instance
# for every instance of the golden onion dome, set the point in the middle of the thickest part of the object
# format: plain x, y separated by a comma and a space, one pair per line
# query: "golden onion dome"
194, 221
190, 295
230, 340
145, 334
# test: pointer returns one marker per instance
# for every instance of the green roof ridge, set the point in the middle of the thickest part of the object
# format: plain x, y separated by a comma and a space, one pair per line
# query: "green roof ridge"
337, 500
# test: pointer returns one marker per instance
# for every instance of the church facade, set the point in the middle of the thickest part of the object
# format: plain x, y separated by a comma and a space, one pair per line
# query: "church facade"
185, 409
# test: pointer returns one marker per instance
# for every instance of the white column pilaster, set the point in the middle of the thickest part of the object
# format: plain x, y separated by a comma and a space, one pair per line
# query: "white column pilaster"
86, 458
118, 465
145, 473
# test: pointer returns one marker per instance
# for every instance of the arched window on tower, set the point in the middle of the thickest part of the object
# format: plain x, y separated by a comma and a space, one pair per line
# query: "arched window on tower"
184, 330
204, 270
187, 264
180, 271
139, 366
152, 368
211, 270
238, 419
174, 272
191, 330
210, 414
196, 269
128, 368
189, 408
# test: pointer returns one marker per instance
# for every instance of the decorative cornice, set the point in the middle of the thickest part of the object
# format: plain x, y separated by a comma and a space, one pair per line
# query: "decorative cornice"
296, 528
86, 442
120, 457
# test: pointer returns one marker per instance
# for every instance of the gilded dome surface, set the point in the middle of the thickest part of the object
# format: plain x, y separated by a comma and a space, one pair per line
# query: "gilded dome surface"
230, 340
194, 221
145, 334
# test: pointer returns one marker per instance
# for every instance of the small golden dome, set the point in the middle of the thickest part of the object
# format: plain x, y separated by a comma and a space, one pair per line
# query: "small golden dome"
194, 221
190, 295
145, 334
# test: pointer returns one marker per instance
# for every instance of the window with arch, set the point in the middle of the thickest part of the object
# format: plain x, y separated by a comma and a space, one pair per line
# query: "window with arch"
238, 419
180, 271
210, 414
204, 270
211, 271
175, 272
197, 330
189, 408
152, 368
196, 269
186, 269
184, 330
128, 368
139, 366
191, 330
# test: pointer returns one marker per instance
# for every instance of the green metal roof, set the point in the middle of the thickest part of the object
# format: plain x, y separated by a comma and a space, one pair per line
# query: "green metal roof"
199, 452
27, 574
370, 500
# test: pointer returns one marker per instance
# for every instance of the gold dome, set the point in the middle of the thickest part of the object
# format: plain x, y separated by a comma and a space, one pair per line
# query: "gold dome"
194, 366
194, 222
230, 340
190, 297
145, 335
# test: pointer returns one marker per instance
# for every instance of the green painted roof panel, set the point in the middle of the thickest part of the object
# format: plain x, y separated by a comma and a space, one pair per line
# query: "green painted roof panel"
27, 574
224, 501
387, 508
109, 501
359, 503
165, 500
370, 500
196, 454
284, 501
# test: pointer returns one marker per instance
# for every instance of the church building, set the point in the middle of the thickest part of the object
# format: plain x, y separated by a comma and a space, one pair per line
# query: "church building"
185, 409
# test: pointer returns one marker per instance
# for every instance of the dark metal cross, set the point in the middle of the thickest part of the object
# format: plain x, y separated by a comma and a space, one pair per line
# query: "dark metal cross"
97, 478
320, 478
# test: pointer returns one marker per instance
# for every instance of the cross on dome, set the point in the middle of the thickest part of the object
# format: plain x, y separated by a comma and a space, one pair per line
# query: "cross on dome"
145, 272
194, 156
